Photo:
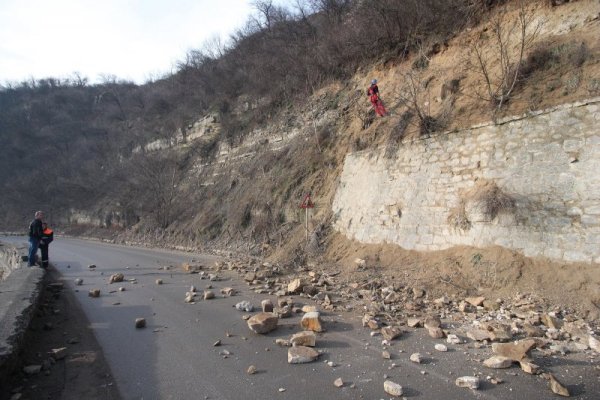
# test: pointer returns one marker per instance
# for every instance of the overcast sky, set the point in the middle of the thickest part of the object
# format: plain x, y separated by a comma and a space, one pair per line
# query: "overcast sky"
132, 39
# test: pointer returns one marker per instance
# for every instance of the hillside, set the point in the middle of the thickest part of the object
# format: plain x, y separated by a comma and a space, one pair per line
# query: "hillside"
220, 155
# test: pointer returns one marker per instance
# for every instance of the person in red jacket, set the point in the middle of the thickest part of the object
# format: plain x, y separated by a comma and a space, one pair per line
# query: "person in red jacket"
47, 237
373, 93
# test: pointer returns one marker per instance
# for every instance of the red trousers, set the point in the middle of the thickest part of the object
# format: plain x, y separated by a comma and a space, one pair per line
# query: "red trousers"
378, 106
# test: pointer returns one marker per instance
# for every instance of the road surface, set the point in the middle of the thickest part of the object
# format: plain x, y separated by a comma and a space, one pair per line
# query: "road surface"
174, 356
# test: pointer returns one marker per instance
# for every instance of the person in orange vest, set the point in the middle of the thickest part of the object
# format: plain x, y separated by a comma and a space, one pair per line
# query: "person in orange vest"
373, 93
47, 238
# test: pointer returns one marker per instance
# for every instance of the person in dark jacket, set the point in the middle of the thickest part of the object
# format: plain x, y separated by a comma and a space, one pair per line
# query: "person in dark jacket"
47, 238
373, 93
35, 235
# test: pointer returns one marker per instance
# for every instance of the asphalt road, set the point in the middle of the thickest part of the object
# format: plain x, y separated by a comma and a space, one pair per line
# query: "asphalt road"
174, 357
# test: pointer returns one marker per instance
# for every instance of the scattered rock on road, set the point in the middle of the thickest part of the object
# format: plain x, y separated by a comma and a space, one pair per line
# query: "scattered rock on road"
244, 306
498, 362
209, 294
267, 305
118, 277
338, 383
263, 323
311, 321
94, 293
159, 281
392, 388
251, 370
471, 382
305, 338
301, 355
79, 281
416, 358
140, 323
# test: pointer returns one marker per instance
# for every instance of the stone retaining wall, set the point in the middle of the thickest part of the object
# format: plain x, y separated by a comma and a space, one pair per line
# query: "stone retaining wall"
430, 194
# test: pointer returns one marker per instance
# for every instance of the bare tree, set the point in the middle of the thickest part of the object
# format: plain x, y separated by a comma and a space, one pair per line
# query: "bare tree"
498, 58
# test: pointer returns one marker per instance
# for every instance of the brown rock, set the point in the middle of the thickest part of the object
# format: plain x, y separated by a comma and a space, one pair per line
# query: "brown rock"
532, 330
228, 291
478, 335
515, 351
391, 332
307, 309
594, 344
305, 338
471, 382
414, 322
209, 294
556, 386
94, 293
263, 322
118, 277
475, 301
159, 281
251, 370
491, 305
551, 322
338, 382
432, 322
436, 333
498, 362
392, 388
311, 321
267, 305
250, 277
529, 366
295, 286
301, 355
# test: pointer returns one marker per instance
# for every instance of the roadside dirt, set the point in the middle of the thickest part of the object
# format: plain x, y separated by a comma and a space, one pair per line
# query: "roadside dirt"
493, 272
82, 374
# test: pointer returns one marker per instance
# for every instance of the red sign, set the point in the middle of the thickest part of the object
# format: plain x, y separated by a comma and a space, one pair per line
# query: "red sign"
307, 202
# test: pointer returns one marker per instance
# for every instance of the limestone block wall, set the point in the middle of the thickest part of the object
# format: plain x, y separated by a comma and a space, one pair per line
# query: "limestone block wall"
545, 166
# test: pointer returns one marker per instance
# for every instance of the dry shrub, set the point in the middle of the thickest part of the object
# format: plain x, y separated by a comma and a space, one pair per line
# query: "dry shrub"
458, 219
489, 199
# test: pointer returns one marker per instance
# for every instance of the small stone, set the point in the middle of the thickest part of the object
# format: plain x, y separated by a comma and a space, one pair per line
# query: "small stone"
441, 347
301, 355
295, 286
391, 332
79, 281
91, 266
209, 294
263, 322
392, 388
594, 344
267, 305
189, 297
556, 386
479, 335
471, 382
416, 358
311, 321
532, 330
418, 293
475, 301
338, 383
121, 289
94, 293
118, 277
251, 370
32, 369
58, 354
453, 339
244, 306
432, 322
551, 322
159, 281
498, 362
217, 343
140, 323
414, 322
281, 390
436, 333
529, 367
228, 291
308, 309
282, 342
306, 338
386, 355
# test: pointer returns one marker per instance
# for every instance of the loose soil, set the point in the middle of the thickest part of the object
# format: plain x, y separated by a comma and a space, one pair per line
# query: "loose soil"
83, 374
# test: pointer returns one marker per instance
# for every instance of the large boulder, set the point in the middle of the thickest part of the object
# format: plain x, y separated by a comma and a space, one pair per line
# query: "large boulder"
301, 355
